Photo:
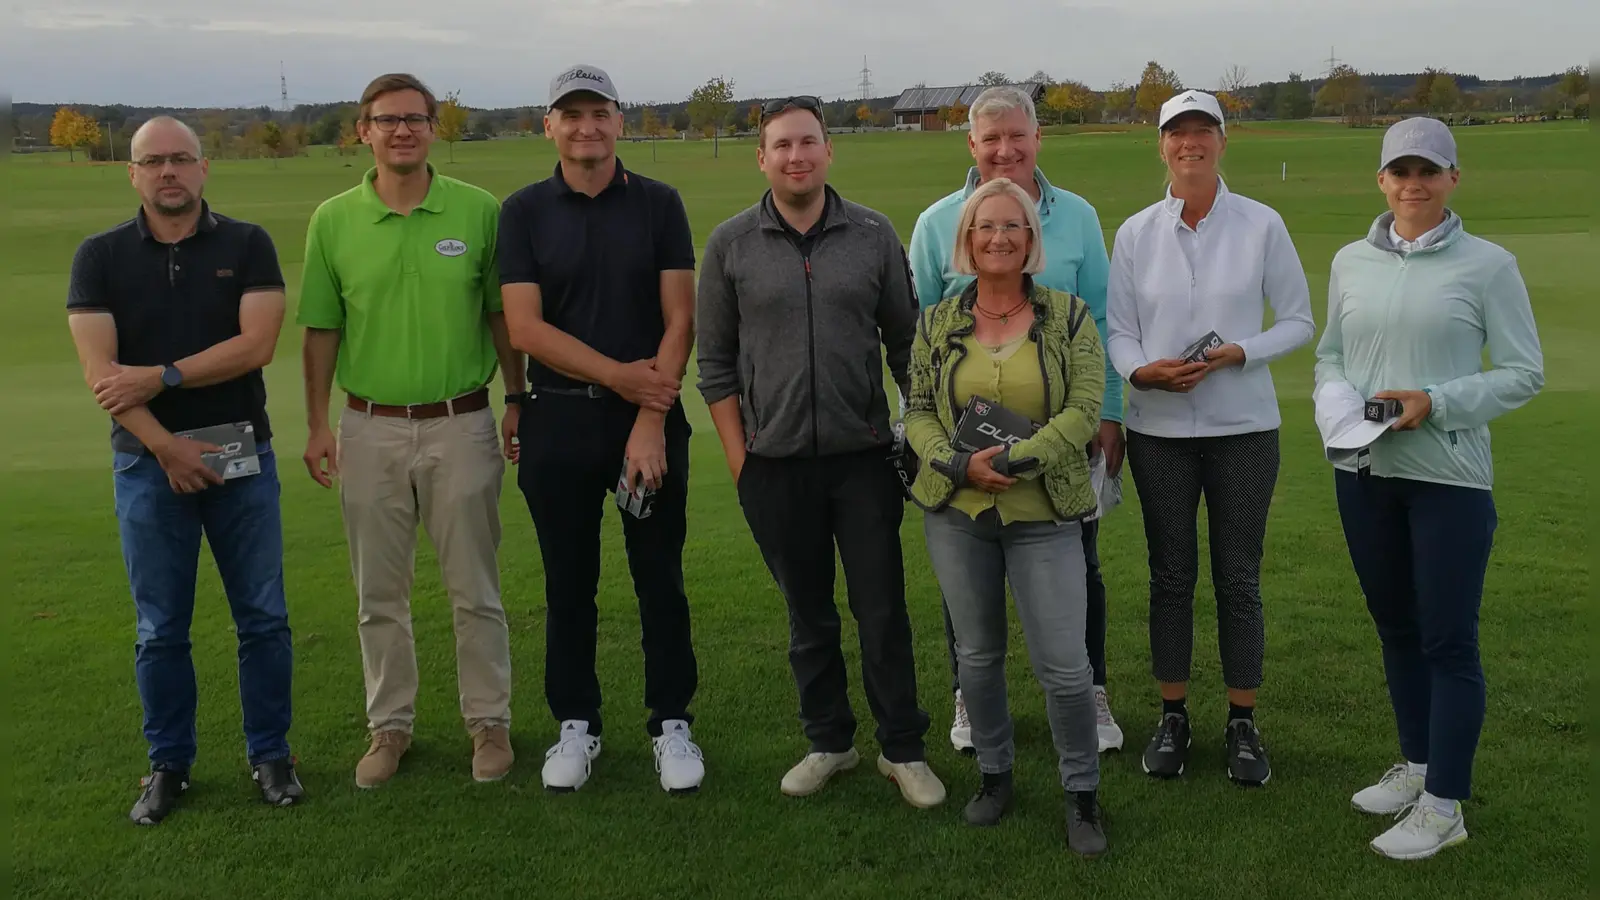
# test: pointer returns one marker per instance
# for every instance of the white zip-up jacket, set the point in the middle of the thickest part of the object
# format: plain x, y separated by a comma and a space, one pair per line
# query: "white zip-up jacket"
1171, 284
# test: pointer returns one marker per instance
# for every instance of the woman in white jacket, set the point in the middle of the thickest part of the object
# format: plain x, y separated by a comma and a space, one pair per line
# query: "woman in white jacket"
1204, 263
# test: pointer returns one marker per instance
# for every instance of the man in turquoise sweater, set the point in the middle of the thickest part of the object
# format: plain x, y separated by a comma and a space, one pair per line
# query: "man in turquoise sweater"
1004, 141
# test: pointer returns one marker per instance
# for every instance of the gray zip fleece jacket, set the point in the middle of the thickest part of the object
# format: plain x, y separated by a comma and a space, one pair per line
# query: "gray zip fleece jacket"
800, 339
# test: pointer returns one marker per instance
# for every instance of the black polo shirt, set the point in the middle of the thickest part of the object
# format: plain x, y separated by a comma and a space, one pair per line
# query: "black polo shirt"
597, 260
170, 301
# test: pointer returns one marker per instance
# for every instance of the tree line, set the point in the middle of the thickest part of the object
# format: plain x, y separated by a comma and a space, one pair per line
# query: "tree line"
711, 110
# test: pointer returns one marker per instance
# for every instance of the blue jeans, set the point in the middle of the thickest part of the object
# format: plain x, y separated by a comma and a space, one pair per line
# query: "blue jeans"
1043, 561
161, 547
1420, 551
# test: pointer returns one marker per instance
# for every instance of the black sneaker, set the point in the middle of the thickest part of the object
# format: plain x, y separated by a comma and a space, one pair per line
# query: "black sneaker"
161, 792
278, 783
992, 801
1168, 751
1086, 830
1247, 758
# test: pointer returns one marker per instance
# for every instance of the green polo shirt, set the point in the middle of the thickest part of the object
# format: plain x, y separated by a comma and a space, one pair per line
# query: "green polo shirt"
411, 294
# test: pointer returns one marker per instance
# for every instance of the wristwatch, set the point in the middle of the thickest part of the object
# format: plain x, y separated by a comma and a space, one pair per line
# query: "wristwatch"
170, 376
517, 399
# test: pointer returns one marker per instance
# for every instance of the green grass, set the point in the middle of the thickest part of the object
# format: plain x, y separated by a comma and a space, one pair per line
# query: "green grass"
74, 714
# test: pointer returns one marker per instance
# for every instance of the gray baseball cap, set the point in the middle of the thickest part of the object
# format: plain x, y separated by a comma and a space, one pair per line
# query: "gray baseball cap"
1421, 136
582, 78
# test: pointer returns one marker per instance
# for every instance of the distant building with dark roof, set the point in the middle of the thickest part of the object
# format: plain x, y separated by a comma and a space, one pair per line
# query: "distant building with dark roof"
918, 107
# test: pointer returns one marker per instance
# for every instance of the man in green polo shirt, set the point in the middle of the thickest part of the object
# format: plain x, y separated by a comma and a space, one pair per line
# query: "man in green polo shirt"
401, 303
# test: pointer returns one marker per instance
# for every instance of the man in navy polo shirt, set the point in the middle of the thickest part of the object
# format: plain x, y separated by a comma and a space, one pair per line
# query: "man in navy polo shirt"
174, 314
597, 278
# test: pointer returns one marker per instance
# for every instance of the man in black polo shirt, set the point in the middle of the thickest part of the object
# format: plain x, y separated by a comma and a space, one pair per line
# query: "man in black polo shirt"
597, 275
174, 314
799, 298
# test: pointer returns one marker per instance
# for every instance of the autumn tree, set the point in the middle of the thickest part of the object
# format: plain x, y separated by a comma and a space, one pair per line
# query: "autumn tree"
296, 138
72, 130
1574, 84
1344, 94
349, 138
1445, 95
649, 122
992, 78
958, 114
709, 105
452, 121
864, 114
1422, 92
1119, 99
1070, 98
753, 119
271, 137
1156, 86
1232, 91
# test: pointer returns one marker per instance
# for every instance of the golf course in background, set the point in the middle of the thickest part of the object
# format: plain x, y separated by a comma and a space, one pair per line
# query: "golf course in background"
77, 752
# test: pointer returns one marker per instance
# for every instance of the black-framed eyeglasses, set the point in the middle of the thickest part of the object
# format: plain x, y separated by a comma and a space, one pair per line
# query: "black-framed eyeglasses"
414, 121
803, 101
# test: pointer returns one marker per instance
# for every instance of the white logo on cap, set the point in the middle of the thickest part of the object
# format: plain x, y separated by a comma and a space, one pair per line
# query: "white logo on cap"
450, 247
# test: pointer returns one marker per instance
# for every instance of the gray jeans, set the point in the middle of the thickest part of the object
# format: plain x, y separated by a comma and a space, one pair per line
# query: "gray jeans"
973, 560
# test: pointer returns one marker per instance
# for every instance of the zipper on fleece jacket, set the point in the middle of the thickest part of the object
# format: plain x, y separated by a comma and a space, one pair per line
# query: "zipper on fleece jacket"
811, 347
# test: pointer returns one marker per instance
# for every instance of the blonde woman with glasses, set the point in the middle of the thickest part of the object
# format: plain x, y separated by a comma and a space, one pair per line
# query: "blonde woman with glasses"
1012, 510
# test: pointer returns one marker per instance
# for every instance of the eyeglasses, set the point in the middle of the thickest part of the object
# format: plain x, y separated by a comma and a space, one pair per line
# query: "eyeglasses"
414, 121
804, 101
990, 229
157, 161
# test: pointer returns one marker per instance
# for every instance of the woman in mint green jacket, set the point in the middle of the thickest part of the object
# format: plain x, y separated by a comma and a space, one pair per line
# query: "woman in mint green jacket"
1012, 511
1410, 310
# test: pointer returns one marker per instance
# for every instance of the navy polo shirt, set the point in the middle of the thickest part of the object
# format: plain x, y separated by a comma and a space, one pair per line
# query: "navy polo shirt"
597, 261
171, 301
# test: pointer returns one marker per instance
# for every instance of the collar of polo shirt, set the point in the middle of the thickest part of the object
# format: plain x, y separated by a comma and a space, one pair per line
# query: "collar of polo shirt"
1174, 207
619, 176
207, 222
433, 202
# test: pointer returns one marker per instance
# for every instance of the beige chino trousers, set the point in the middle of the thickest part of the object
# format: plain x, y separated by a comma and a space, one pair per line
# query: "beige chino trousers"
445, 473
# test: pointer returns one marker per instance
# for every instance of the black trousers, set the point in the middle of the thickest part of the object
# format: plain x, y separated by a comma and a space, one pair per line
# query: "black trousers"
572, 457
1095, 626
798, 510
1237, 473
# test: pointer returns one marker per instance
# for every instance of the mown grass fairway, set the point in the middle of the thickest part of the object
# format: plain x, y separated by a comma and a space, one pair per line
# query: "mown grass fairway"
75, 722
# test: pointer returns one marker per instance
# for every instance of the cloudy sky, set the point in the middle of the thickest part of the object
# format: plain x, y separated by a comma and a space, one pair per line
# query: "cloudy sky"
503, 52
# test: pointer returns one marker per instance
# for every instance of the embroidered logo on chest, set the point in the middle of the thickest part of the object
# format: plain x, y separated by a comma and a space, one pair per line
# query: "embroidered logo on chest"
450, 247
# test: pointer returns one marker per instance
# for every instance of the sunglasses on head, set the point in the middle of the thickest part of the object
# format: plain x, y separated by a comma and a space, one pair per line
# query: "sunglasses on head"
804, 101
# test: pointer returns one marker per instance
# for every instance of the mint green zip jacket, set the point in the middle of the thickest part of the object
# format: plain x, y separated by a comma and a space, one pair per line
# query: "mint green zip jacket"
1421, 321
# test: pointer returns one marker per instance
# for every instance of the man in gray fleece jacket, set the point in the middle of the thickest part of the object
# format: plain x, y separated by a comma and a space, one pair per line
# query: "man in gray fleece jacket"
798, 298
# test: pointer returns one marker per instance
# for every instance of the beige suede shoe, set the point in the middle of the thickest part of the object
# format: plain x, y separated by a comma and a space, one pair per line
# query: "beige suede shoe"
382, 759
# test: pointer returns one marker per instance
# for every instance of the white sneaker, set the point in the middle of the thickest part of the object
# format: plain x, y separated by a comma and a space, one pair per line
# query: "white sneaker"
810, 774
1396, 790
961, 728
678, 759
1105, 724
916, 781
566, 765
1422, 832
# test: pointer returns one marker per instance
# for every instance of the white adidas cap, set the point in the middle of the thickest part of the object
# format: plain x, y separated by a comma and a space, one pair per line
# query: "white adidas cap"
1191, 101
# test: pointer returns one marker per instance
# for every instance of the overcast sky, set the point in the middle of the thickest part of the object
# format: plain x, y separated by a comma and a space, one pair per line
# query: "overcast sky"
503, 52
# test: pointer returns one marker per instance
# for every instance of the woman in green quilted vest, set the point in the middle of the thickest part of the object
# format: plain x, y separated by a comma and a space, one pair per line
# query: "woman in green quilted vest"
1006, 386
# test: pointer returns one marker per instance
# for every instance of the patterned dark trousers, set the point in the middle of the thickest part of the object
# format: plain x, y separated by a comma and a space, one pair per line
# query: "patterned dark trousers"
1236, 474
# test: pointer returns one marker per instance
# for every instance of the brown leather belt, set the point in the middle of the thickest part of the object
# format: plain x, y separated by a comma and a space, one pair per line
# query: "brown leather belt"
478, 399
